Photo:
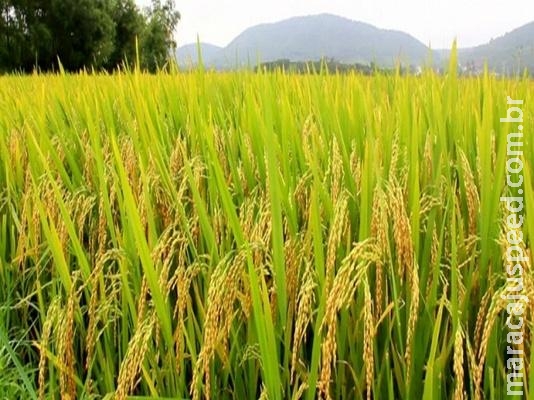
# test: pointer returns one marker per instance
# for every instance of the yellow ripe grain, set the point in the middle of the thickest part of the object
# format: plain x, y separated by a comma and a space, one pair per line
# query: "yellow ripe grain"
368, 339
458, 366
52, 316
305, 303
339, 224
135, 354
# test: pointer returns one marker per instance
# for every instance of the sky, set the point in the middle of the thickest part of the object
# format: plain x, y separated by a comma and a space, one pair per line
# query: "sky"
435, 23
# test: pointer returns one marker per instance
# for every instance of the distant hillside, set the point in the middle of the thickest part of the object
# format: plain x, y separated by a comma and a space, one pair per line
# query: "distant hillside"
188, 54
311, 38
320, 36
507, 54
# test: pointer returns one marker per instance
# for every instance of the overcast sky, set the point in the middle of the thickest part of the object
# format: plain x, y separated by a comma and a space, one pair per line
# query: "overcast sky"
431, 21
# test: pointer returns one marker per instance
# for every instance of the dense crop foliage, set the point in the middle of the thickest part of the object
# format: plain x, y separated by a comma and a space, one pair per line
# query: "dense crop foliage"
244, 236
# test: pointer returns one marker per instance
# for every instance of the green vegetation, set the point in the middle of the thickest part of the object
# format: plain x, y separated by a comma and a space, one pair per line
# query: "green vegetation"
256, 235
316, 66
330, 66
99, 34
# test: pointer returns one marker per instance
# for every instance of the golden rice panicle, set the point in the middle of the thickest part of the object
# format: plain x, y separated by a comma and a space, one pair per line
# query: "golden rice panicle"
472, 363
163, 202
305, 303
66, 348
427, 202
380, 232
88, 171
247, 216
142, 302
130, 161
356, 167
339, 224
336, 171
353, 269
92, 314
263, 227
222, 294
28, 221
497, 305
368, 339
219, 222
82, 205
182, 279
398, 167
296, 253
403, 170
176, 161
101, 300
52, 316
379, 220
301, 195
17, 150
135, 354
412, 319
58, 147
300, 392
170, 247
472, 197
220, 148
458, 365
264, 395
481, 317
434, 260
402, 231
395, 156
102, 232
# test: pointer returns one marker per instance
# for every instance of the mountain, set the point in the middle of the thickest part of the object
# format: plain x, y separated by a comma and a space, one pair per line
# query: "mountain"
510, 53
310, 38
188, 54
313, 37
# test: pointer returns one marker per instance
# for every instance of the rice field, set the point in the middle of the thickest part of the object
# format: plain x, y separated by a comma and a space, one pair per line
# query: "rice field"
258, 236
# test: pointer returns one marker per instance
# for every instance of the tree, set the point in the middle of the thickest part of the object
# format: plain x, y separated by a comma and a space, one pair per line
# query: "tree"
129, 26
157, 44
84, 33
19, 28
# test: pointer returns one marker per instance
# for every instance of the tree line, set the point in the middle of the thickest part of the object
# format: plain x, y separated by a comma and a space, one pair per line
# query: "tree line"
99, 34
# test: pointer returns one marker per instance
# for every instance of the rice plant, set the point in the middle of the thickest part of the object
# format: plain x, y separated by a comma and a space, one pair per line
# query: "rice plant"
257, 236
